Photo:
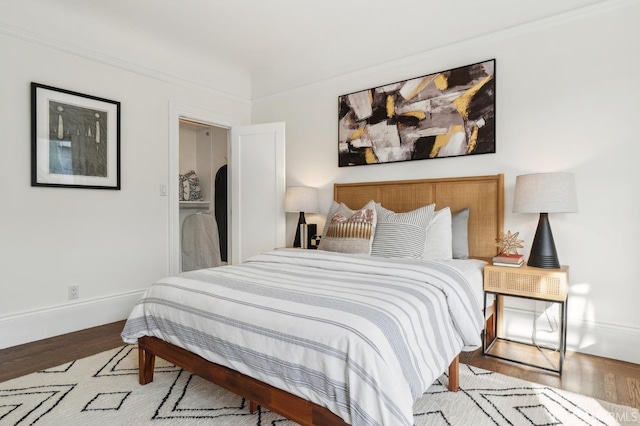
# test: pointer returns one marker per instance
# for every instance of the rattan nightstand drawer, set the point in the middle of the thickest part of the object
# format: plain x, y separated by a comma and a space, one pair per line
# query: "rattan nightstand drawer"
547, 284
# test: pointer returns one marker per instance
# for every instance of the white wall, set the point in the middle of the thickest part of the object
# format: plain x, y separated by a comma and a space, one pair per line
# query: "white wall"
567, 92
113, 244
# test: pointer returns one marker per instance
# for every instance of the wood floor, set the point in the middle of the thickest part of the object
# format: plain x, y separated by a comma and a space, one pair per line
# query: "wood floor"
602, 378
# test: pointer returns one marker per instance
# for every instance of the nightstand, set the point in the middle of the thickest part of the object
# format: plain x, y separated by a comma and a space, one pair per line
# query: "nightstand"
550, 285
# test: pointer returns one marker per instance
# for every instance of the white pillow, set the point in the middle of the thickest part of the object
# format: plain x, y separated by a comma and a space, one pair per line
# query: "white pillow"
438, 244
401, 234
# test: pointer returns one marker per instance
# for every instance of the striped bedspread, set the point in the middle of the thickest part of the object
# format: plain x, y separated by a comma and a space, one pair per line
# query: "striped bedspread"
363, 336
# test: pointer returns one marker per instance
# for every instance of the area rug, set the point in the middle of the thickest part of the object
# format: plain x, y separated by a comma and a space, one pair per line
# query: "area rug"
103, 390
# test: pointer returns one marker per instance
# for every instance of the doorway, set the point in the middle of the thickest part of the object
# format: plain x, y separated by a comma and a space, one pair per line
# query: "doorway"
200, 119
202, 188
256, 184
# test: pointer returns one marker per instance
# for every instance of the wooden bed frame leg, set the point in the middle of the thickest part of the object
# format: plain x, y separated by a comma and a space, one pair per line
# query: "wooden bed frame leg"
253, 406
454, 374
146, 364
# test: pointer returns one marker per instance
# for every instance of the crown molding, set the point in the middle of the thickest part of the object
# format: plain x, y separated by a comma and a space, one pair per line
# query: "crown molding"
48, 42
596, 9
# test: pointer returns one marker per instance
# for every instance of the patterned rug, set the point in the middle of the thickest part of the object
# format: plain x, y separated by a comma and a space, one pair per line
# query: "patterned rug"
103, 390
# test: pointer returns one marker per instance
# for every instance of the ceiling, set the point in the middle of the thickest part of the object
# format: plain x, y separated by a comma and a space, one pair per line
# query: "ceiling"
281, 43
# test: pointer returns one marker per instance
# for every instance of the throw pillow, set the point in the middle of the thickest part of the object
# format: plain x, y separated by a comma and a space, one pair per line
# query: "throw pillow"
349, 231
332, 210
401, 234
459, 231
438, 244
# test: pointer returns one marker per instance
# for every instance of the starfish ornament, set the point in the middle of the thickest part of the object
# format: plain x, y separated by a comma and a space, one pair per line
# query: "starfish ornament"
509, 243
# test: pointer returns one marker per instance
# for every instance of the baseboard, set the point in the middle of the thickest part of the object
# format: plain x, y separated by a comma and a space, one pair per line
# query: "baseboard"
40, 324
593, 338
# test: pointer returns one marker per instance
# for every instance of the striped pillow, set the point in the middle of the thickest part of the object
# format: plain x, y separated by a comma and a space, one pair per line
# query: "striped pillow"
349, 231
401, 234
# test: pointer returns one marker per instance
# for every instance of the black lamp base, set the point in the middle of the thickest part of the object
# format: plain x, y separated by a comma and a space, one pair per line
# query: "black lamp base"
301, 220
543, 250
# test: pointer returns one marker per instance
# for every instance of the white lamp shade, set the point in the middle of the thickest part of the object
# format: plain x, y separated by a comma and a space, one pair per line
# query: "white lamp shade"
545, 193
301, 199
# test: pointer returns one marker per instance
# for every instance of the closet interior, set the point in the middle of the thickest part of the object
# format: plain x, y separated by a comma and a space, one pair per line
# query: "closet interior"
203, 195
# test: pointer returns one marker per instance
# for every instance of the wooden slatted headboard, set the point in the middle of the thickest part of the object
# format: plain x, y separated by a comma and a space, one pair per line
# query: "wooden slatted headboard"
483, 195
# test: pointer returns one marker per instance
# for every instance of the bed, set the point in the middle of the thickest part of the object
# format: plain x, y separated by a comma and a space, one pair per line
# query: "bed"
379, 379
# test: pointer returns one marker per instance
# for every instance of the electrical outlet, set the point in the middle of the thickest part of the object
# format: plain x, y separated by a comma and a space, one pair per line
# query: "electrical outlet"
74, 292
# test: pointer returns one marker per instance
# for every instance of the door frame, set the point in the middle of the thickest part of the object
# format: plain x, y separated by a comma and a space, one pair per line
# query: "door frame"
176, 112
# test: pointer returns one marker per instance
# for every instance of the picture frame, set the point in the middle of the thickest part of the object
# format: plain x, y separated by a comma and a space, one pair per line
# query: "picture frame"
444, 114
75, 139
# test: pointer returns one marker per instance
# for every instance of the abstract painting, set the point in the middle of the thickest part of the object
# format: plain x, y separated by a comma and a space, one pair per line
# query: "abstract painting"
444, 114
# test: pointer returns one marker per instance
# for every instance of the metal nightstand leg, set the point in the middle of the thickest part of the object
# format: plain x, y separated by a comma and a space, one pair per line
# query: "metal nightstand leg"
563, 335
562, 344
485, 348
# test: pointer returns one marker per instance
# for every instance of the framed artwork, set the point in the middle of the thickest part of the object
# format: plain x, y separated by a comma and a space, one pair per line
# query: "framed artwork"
445, 114
75, 139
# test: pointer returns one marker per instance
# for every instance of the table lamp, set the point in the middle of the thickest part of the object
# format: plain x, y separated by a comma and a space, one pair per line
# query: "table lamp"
301, 199
545, 193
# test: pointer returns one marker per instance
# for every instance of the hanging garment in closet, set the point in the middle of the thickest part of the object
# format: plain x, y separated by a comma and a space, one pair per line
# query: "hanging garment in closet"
221, 209
200, 242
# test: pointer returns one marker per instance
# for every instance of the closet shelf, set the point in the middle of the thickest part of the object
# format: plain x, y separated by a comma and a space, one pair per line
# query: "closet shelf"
195, 204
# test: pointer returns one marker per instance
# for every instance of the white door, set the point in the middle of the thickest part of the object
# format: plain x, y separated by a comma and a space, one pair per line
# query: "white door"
257, 188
